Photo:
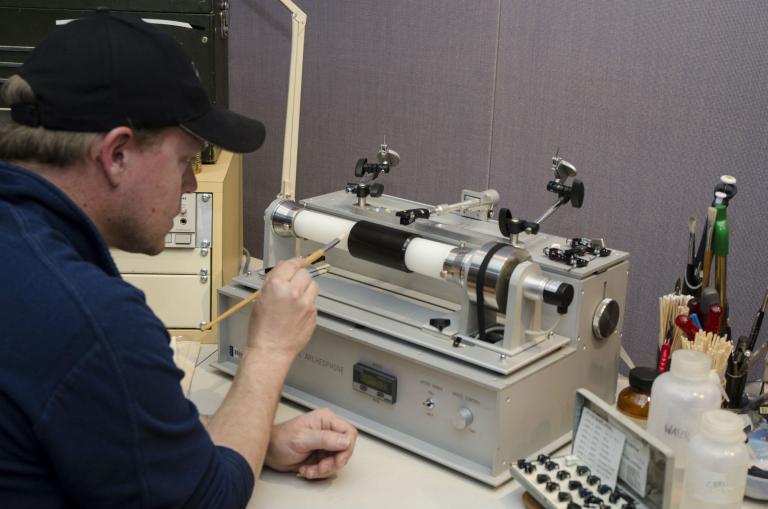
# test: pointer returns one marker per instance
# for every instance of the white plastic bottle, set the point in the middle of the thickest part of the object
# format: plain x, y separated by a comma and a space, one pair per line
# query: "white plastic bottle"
718, 460
679, 398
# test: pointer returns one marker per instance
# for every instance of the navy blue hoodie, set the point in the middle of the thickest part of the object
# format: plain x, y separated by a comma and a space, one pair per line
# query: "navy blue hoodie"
91, 410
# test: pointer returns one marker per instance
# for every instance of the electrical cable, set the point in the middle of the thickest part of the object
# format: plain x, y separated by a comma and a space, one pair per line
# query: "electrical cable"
531, 332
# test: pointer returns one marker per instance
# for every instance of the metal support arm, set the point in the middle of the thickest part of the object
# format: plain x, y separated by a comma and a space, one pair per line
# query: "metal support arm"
293, 110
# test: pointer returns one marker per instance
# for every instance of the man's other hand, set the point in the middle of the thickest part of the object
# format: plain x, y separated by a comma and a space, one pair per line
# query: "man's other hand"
316, 445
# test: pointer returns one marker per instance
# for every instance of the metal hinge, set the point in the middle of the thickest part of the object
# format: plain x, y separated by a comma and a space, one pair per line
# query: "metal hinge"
203, 276
224, 19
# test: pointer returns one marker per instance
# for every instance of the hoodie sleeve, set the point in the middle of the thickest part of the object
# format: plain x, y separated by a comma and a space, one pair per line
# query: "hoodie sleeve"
120, 433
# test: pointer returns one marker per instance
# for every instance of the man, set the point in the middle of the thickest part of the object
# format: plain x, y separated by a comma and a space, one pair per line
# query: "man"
107, 116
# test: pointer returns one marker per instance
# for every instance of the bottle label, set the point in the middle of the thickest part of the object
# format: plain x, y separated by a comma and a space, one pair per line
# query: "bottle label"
714, 487
677, 430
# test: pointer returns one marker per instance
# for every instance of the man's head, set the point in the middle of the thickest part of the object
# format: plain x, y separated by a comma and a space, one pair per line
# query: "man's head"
22, 143
119, 97
106, 71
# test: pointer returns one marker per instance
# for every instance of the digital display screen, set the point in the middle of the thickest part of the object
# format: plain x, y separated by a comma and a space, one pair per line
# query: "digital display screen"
372, 380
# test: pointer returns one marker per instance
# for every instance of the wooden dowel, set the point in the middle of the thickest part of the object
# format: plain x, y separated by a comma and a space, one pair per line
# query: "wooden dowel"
309, 260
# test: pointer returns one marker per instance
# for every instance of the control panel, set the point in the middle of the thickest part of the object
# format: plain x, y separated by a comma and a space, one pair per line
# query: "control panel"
183, 234
374, 382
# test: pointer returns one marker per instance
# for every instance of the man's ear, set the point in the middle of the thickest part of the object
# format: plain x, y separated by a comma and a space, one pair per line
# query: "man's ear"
111, 153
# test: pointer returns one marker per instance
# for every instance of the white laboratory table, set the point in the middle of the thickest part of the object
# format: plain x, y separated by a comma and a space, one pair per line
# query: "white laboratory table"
379, 475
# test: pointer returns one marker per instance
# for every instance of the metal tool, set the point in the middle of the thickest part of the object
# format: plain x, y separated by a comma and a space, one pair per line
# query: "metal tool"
720, 249
691, 280
368, 172
758, 322
711, 217
511, 226
486, 200
709, 296
727, 187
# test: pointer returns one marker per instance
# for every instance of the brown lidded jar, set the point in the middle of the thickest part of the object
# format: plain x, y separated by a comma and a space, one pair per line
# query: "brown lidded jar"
635, 400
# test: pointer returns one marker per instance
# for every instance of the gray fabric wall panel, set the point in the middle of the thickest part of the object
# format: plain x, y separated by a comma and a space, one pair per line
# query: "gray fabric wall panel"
258, 80
420, 73
652, 101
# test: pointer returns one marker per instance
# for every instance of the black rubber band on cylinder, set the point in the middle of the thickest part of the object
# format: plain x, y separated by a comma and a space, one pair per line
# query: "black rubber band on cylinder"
480, 289
379, 244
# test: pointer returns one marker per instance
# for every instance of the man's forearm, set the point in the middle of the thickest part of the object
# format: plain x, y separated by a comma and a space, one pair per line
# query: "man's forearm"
244, 420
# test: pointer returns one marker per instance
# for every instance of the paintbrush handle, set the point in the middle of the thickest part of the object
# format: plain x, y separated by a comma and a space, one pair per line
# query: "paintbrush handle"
309, 260
663, 365
231, 311
313, 257
706, 268
755, 332
721, 278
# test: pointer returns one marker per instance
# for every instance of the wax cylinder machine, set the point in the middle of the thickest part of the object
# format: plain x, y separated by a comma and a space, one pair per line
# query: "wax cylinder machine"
450, 334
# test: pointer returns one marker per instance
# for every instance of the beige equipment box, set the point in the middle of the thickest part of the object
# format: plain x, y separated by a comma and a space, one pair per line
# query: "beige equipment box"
202, 252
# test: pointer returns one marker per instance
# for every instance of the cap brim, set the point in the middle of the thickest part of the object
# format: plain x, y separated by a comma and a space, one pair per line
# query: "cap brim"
228, 130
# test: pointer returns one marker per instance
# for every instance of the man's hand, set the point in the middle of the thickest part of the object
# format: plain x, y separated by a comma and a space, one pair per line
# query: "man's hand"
285, 313
281, 324
316, 445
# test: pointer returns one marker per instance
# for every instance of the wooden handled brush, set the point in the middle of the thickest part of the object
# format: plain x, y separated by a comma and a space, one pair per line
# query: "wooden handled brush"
309, 260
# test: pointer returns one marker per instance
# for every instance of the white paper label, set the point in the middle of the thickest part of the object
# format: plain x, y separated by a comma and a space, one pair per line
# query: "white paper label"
634, 465
599, 445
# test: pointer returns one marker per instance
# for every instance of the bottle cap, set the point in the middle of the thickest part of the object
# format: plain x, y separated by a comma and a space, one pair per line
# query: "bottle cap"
642, 378
723, 426
690, 365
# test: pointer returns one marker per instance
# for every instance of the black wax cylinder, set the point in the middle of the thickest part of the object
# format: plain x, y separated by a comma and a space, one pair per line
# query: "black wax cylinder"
379, 244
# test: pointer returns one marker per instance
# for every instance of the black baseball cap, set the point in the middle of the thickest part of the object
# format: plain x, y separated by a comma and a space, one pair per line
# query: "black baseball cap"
106, 70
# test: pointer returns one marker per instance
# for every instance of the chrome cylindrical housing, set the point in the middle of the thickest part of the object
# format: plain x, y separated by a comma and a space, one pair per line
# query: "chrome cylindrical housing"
282, 217
463, 266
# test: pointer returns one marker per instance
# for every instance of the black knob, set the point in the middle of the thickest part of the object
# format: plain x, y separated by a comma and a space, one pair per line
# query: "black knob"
728, 189
376, 189
561, 297
577, 193
505, 216
604, 489
360, 167
509, 225
440, 323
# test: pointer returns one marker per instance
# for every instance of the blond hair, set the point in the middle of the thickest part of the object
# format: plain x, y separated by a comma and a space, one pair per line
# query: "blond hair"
48, 146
